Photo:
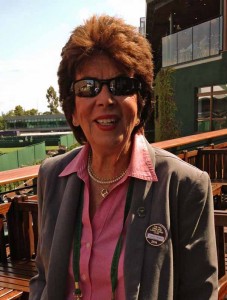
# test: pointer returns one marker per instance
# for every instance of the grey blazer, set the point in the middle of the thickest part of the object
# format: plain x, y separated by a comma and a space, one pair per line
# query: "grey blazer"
183, 266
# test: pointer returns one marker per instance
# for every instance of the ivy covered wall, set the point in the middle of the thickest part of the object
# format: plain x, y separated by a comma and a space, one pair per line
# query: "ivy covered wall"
166, 125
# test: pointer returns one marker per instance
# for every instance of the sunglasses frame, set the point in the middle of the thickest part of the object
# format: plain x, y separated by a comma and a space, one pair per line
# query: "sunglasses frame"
136, 86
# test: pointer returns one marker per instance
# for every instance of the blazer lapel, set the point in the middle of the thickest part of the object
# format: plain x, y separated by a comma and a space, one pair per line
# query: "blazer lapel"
135, 239
62, 240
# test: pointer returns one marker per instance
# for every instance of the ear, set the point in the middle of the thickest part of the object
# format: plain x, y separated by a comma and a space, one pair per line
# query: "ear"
75, 119
137, 122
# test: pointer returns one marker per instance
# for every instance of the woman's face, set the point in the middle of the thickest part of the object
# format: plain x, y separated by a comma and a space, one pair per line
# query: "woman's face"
106, 120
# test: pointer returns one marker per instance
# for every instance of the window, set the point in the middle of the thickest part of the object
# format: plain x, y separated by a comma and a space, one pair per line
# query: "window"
212, 108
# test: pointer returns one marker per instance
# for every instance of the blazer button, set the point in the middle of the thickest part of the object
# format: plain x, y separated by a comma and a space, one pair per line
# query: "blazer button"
141, 212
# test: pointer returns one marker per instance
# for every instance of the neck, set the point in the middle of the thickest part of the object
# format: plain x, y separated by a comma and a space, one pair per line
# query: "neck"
103, 180
109, 166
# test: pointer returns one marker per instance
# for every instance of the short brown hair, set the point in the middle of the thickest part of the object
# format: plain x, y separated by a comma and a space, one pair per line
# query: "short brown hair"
120, 41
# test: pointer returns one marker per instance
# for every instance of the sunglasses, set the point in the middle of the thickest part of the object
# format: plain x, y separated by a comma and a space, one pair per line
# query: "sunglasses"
118, 86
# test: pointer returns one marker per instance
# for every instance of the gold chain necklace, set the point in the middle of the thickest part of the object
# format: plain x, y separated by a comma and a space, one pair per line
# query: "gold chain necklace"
104, 192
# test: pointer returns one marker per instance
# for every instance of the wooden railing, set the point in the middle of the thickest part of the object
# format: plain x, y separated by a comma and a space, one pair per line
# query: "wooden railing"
22, 178
19, 174
174, 145
205, 139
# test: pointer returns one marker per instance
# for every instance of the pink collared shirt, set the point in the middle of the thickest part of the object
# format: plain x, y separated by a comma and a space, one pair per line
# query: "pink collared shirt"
100, 235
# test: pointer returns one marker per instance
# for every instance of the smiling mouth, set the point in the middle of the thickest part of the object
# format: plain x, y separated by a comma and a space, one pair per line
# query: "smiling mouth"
107, 122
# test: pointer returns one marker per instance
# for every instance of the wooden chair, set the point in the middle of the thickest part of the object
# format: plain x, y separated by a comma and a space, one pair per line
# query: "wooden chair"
5, 293
220, 221
189, 156
23, 237
222, 288
214, 162
219, 146
4, 208
18, 267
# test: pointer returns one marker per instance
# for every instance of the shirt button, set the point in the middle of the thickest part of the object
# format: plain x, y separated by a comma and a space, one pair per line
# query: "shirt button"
83, 277
88, 245
141, 212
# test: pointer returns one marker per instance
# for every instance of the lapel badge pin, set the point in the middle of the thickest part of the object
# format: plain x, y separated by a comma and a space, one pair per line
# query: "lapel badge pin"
156, 234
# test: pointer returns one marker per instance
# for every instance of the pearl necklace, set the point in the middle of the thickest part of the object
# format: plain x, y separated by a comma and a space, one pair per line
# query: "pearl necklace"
104, 192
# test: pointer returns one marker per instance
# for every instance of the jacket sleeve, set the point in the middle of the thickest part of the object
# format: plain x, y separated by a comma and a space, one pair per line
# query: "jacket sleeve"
198, 276
38, 282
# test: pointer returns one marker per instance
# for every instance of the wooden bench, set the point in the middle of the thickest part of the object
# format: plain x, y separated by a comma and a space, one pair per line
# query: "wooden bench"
4, 208
8, 294
214, 162
17, 268
222, 288
219, 146
5, 293
220, 220
189, 156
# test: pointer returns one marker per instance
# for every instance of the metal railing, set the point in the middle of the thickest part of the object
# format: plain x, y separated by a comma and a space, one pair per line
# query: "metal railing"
197, 42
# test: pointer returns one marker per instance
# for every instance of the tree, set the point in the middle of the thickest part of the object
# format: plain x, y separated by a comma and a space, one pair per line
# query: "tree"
10, 113
53, 101
19, 111
32, 112
166, 125
2, 123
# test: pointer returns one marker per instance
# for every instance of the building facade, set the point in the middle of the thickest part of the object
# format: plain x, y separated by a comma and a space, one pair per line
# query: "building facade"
39, 123
190, 36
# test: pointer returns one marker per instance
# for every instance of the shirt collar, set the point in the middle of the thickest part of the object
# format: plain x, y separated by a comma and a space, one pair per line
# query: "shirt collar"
78, 164
140, 166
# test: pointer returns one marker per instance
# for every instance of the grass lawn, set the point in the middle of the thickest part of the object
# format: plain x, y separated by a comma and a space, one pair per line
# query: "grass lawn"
7, 150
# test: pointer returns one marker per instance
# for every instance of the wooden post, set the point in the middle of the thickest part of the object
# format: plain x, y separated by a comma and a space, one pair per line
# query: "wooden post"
3, 256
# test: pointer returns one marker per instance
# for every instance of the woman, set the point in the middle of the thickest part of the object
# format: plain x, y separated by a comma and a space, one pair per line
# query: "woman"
118, 218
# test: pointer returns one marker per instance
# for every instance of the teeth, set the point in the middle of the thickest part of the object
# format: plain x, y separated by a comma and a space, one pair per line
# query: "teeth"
107, 121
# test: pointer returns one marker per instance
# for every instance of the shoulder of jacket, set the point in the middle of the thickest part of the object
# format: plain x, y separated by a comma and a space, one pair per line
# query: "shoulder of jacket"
59, 162
172, 163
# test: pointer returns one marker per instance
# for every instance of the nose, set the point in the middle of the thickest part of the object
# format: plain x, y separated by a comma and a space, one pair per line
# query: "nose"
105, 97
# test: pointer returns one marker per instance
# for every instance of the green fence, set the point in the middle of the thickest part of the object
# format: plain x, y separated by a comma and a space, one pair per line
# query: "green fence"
67, 140
25, 156
9, 161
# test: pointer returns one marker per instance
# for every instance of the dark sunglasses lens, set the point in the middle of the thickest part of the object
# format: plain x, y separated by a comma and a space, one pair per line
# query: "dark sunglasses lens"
123, 86
86, 88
